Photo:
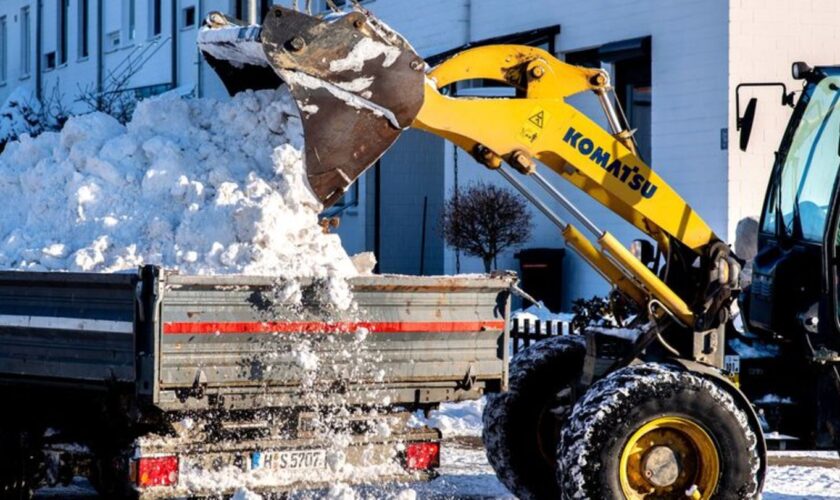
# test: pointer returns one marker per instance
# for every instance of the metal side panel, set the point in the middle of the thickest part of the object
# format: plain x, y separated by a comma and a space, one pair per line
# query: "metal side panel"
404, 335
67, 327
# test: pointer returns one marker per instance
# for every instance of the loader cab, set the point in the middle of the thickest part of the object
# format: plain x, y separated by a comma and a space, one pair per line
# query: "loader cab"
795, 277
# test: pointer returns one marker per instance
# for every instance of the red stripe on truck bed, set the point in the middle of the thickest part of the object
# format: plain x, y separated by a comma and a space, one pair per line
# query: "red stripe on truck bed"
213, 328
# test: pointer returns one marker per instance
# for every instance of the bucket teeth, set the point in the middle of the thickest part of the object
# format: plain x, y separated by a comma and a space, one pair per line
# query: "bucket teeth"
358, 84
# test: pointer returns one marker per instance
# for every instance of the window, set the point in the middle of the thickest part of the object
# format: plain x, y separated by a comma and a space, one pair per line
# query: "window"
131, 18
241, 10
49, 61
543, 38
112, 40
629, 62
3, 51
155, 8
25, 43
84, 25
63, 7
188, 17
265, 6
811, 165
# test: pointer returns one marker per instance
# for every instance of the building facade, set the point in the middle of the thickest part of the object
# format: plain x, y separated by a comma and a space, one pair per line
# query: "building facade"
675, 66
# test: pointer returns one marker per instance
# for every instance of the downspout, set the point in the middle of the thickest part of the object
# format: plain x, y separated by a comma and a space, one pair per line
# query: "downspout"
469, 21
252, 12
174, 42
199, 61
100, 63
38, 78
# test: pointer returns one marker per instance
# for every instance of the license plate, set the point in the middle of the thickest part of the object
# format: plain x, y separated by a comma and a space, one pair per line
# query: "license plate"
291, 461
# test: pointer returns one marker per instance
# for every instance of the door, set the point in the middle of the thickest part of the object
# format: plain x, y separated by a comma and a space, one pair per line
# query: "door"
790, 285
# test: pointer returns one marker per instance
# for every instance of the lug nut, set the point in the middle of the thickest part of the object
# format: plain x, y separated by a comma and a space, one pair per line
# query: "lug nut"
297, 43
537, 72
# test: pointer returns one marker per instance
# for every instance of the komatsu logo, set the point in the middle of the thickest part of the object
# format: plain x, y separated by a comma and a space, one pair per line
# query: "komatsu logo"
625, 173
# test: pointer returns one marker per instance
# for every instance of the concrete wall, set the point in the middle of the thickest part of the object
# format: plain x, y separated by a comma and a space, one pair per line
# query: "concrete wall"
763, 44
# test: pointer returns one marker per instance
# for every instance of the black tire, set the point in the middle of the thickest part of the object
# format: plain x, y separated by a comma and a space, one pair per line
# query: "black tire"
520, 435
617, 406
16, 478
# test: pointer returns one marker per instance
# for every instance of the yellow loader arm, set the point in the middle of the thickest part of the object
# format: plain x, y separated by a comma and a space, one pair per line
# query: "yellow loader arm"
366, 83
539, 124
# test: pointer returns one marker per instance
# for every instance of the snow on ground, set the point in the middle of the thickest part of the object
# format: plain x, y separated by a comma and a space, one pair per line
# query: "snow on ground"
465, 474
798, 482
454, 419
539, 312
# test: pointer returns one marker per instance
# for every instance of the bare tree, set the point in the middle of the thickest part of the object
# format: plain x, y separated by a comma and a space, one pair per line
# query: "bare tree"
117, 99
483, 220
29, 115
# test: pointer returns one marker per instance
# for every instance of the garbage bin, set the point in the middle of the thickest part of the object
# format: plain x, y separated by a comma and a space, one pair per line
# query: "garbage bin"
541, 273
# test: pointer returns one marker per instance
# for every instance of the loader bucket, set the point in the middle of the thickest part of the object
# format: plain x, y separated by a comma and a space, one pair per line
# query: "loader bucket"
357, 84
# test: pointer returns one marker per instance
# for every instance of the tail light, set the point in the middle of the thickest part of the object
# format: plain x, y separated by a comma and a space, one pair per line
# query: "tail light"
422, 456
155, 471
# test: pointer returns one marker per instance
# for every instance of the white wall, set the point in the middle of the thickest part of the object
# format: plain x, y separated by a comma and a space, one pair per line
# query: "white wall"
700, 51
763, 44
11, 9
690, 93
149, 54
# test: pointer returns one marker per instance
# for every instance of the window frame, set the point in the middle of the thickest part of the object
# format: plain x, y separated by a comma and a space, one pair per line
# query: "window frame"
62, 32
4, 50
25, 42
193, 10
155, 18
83, 48
773, 201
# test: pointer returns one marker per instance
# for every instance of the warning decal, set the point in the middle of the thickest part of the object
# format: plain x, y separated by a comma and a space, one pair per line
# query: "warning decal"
538, 119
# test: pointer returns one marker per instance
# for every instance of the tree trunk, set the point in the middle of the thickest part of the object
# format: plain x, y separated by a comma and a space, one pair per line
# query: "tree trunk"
488, 263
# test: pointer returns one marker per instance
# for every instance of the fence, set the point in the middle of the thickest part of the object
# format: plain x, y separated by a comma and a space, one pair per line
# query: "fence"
524, 332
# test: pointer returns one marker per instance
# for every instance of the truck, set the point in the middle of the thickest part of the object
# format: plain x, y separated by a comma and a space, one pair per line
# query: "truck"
648, 408
153, 384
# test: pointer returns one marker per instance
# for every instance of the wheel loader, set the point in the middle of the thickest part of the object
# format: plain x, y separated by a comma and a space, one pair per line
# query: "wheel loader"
646, 411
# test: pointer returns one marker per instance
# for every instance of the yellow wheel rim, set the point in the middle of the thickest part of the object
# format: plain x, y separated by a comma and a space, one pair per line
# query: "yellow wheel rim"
669, 457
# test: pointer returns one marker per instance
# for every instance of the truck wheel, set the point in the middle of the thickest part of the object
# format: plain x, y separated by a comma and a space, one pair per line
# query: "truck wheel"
522, 426
658, 431
16, 479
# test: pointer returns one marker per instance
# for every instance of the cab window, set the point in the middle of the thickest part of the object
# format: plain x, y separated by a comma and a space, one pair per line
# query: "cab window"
810, 169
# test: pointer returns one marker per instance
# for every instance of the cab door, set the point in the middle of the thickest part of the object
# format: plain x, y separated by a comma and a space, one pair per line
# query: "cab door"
792, 287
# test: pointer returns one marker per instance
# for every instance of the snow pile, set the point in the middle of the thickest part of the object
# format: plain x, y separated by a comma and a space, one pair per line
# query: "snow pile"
454, 419
539, 312
202, 186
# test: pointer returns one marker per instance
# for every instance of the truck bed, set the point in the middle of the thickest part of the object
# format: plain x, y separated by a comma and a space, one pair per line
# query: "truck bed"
188, 342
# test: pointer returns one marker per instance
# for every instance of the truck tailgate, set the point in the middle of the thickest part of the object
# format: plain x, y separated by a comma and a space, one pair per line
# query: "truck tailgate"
67, 327
226, 341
